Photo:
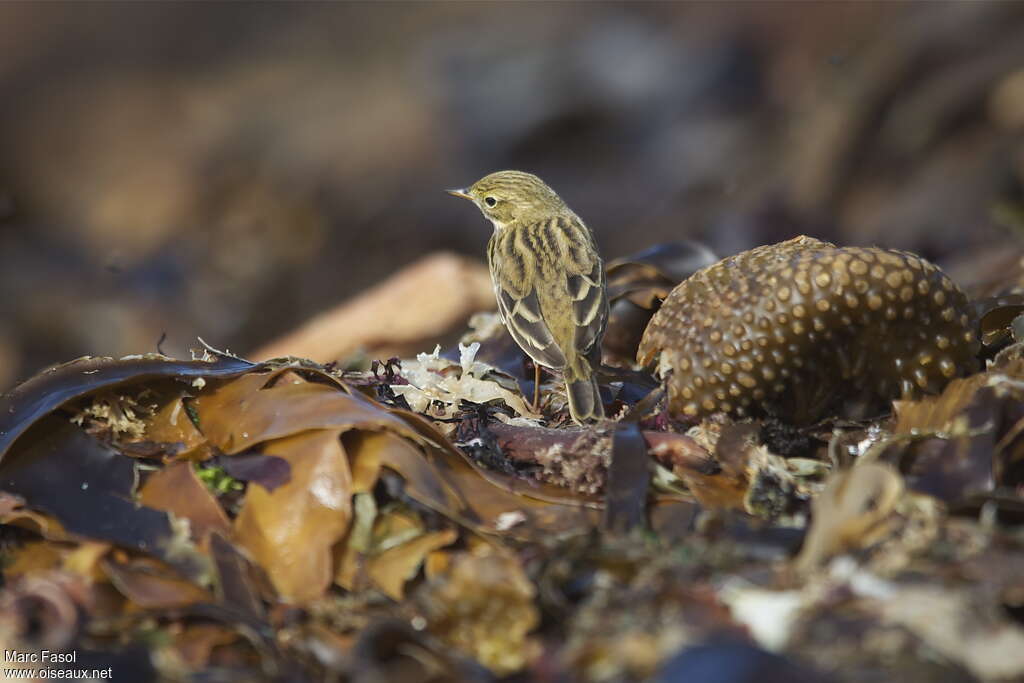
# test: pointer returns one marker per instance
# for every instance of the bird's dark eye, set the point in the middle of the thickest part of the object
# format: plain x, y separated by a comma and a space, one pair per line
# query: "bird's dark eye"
490, 201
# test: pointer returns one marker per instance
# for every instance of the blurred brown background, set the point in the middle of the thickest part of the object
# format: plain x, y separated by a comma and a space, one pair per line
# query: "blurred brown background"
228, 170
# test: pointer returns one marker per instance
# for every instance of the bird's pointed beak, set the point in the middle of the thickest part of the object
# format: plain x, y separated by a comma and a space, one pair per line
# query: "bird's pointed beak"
459, 193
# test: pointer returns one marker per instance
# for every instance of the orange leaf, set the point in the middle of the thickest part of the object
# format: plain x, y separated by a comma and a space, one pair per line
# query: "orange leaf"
241, 414
364, 459
171, 424
177, 489
443, 480
151, 584
85, 559
33, 557
851, 512
38, 522
937, 413
393, 567
195, 644
423, 481
290, 531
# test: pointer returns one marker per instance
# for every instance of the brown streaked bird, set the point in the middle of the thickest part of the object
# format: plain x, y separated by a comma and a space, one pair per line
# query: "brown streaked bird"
548, 279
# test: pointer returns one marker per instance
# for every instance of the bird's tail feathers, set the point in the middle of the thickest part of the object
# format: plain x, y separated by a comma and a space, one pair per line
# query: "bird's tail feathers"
581, 388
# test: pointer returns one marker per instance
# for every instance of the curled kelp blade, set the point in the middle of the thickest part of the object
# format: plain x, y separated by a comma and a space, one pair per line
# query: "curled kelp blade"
638, 283
996, 317
672, 262
260, 406
88, 487
967, 440
45, 392
628, 479
629, 470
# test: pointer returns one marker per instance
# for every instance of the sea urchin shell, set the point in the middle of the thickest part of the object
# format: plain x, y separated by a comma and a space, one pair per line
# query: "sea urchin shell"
802, 327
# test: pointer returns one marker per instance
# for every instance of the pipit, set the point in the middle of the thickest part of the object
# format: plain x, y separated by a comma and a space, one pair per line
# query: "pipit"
548, 279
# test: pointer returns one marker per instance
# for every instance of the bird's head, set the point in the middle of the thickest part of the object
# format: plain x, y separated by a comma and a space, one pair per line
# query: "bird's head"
508, 197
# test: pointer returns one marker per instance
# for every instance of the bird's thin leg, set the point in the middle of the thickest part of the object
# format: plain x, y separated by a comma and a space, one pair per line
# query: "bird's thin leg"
537, 387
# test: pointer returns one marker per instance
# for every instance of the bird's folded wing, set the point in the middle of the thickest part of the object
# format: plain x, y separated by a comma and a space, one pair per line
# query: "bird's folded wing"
522, 316
589, 306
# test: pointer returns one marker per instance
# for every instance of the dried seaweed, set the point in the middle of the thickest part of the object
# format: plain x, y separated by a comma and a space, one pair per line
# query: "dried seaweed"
45, 392
289, 518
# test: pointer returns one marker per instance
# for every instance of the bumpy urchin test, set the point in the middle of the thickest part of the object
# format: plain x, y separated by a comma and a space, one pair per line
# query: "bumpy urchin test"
803, 327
